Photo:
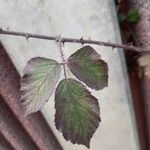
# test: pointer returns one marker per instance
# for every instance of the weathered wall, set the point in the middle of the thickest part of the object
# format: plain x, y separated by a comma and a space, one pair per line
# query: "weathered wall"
142, 33
17, 129
76, 18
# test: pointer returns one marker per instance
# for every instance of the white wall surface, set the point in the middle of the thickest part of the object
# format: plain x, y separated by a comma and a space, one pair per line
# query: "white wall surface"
76, 18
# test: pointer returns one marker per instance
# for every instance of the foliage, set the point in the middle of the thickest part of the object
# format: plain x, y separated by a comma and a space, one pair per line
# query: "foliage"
132, 16
77, 111
39, 81
87, 66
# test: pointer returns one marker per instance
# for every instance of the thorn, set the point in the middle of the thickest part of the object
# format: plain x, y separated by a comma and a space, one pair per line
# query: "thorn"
59, 39
27, 37
63, 42
113, 48
56, 40
130, 44
82, 41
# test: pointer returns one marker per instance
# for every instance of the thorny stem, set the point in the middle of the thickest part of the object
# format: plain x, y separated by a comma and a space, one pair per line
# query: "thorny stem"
72, 40
59, 39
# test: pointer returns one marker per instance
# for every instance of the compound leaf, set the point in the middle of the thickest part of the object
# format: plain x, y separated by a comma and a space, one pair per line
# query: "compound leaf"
77, 112
88, 67
38, 82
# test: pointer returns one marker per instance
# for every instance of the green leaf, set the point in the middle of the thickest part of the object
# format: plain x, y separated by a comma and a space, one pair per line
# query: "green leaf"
88, 67
132, 16
77, 112
38, 82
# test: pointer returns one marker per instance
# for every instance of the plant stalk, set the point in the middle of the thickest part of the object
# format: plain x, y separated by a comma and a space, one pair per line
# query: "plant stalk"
72, 40
62, 55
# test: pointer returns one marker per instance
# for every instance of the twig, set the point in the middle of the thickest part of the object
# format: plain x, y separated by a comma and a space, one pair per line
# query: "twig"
59, 39
72, 40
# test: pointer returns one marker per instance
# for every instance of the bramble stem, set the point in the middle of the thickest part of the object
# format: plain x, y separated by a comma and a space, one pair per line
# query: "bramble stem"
72, 40
62, 55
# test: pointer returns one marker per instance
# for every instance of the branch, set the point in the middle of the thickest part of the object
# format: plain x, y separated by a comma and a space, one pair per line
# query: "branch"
72, 40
